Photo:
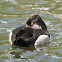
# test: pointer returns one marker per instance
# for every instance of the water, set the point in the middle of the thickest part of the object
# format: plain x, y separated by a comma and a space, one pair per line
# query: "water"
14, 13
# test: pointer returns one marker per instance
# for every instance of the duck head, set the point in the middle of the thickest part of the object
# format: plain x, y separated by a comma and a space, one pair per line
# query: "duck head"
35, 22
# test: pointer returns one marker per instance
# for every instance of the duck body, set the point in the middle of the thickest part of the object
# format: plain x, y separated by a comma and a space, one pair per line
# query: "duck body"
26, 36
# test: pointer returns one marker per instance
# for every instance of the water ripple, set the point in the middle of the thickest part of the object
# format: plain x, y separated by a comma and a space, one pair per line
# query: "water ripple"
14, 13
3, 30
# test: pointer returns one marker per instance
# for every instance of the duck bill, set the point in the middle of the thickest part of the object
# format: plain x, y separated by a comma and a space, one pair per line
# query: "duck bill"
27, 26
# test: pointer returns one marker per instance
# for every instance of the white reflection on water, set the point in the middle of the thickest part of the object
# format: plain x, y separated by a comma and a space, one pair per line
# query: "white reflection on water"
3, 30
3, 22
13, 1
42, 8
55, 56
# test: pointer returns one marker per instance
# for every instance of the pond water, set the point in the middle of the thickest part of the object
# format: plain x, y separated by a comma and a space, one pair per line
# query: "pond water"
14, 13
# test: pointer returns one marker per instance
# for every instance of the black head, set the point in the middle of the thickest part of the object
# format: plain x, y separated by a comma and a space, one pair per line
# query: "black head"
35, 19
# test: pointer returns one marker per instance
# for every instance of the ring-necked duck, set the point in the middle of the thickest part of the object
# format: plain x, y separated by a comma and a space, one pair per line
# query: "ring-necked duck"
33, 33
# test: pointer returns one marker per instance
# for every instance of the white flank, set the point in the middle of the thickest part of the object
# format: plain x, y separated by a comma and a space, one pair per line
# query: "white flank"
10, 37
42, 39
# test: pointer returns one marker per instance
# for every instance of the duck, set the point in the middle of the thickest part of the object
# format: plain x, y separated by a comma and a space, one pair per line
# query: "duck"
34, 32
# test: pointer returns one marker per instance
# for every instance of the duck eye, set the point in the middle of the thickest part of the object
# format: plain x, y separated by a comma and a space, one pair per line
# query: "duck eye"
31, 23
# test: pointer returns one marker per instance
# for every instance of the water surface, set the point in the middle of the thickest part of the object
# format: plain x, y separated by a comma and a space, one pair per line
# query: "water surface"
14, 13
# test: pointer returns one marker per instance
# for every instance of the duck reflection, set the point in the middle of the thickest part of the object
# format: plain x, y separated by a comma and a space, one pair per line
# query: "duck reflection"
26, 52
